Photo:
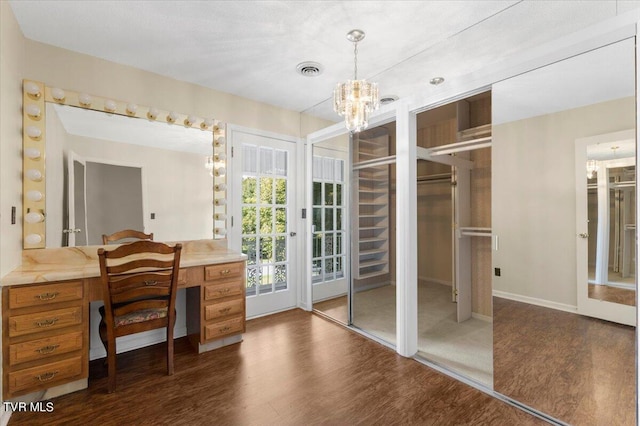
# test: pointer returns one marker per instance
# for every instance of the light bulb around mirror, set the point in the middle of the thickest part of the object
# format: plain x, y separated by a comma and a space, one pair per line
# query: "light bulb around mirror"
219, 127
220, 231
220, 216
206, 123
33, 153
33, 111
153, 113
219, 141
34, 195
109, 105
132, 109
34, 175
57, 94
220, 201
220, 171
172, 117
33, 132
32, 89
34, 217
33, 239
220, 187
220, 157
84, 99
190, 120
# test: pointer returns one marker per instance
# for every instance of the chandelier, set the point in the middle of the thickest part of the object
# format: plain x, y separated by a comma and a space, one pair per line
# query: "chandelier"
355, 99
592, 168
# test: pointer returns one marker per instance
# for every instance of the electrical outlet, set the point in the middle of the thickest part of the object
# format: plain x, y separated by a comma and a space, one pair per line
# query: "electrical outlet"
496, 272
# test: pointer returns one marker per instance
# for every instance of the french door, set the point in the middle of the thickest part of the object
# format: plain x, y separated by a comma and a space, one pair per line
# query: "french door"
263, 210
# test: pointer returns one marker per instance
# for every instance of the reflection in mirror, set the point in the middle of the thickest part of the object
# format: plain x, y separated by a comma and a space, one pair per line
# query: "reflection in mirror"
372, 221
611, 176
454, 237
108, 172
330, 254
552, 352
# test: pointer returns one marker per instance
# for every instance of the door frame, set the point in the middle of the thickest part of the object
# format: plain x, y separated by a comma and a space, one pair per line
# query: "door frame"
298, 225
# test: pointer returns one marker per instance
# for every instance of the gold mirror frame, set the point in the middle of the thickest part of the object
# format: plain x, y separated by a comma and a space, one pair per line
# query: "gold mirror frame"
35, 96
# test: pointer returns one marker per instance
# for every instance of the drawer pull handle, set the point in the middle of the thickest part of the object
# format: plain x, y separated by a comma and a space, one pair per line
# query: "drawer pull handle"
225, 329
47, 349
151, 282
224, 290
47, 376
225, 310
47, 322
47, 296
225, 272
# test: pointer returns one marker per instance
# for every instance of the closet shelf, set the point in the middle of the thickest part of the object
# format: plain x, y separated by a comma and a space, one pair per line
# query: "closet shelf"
371, 243
469, 145
372, 263
470, 231
475, 132
372, 252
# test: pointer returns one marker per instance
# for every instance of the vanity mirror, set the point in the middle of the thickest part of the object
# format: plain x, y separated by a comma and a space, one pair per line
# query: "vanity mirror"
551, 350
110, 165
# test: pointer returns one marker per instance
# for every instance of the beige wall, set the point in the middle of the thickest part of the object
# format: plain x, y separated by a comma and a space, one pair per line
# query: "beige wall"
12, 51
533, 197
22, 58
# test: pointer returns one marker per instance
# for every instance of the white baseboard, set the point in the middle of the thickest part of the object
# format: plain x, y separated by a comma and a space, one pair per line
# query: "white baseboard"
137, 341
371, 286
535, 301
485, 318
330, 297
436, 281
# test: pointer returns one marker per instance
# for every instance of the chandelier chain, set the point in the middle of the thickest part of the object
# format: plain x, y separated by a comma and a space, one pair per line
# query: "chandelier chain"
355, 60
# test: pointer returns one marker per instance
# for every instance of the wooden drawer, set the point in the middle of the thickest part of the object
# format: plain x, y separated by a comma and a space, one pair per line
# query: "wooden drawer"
43, 321
44, 295
44, 376
226, 289
223, 309
223, 328
44, 348
225, 270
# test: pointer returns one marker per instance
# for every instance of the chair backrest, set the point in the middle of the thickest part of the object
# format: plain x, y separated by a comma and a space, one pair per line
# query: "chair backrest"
138, 276
125, 234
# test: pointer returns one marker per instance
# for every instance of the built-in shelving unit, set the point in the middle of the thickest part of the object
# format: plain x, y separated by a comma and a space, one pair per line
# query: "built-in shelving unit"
371, 178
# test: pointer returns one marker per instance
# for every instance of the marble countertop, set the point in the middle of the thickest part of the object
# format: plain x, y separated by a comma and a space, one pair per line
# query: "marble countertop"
68, 263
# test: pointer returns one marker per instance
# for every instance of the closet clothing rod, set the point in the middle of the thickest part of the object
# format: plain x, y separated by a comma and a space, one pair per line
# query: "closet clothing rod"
442, 177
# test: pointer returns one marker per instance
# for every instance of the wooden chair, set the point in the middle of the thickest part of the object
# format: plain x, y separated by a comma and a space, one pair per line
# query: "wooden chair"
127, 233
139, 283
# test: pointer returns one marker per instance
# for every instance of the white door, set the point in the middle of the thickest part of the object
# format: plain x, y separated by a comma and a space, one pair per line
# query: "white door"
598, 291
76, 197
264, 185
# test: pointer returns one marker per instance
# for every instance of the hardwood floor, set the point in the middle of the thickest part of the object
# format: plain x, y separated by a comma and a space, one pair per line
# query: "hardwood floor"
578, 369
293, 368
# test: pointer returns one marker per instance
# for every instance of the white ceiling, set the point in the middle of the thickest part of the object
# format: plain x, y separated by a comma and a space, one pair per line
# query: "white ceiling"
251, 48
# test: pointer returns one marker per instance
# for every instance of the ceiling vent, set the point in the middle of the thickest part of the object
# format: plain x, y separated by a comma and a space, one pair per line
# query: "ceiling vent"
388, 99
309, 69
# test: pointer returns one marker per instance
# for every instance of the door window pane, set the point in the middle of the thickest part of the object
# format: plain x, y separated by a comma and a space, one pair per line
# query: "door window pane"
328, 194
266, 220
249, 190
249, 220
281, 249
317, 193
266, 190
281, 221
281, 191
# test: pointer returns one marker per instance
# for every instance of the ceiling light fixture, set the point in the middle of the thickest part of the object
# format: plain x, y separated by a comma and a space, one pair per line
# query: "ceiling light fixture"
356, 99
436, 80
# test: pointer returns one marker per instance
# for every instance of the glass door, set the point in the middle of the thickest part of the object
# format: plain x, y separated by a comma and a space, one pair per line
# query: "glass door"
265, 206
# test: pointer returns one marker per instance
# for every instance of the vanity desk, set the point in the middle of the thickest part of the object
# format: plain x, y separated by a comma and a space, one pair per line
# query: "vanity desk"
45, 312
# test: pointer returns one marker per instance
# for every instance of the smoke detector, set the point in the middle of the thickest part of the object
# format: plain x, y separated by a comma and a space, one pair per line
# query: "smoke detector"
387, 99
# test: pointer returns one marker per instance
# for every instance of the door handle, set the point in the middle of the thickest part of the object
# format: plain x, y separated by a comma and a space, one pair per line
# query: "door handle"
584, 235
